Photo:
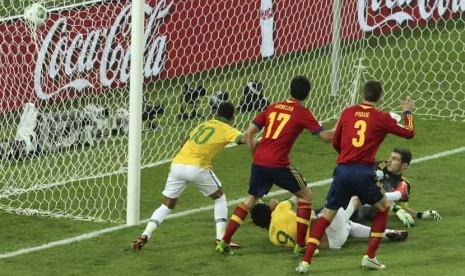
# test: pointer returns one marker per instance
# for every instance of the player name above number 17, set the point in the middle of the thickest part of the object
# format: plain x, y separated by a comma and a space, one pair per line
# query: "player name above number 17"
284, 107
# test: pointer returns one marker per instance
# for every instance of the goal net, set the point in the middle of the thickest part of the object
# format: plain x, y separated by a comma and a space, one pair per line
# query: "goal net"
64, 82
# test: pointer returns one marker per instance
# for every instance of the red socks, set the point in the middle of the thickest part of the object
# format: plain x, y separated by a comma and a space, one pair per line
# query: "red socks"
318, 230
377, 230
304, 211
239, 215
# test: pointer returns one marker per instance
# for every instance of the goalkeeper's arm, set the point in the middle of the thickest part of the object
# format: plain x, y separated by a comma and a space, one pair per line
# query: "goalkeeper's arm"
393, 196
428, 214
401, 193
403, 215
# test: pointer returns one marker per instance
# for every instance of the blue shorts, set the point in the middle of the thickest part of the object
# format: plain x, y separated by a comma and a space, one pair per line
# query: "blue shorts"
350, 180
262, 179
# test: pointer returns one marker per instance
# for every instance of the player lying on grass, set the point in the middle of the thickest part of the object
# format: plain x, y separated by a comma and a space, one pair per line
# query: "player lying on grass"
193, 164
280, 220
397, 190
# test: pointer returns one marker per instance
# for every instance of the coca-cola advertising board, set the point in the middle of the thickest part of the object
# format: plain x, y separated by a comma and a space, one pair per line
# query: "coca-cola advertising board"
86, 49
385, 16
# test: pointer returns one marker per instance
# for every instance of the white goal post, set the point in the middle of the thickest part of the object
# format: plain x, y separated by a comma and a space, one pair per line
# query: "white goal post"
135, 112
87, 101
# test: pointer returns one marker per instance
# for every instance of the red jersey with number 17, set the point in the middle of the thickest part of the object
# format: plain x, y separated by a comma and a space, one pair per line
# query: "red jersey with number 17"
361, 130
283, 122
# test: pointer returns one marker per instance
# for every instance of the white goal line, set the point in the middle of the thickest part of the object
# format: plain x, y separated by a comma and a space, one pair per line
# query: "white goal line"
189, 212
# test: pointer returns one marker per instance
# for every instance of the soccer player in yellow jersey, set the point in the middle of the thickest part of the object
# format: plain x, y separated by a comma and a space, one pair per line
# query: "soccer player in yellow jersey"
193, 164
280, 220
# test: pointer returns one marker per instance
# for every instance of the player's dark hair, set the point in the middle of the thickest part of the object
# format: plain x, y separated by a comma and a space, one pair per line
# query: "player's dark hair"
405, 155
261, 215
300, 88
226, 110
372, 91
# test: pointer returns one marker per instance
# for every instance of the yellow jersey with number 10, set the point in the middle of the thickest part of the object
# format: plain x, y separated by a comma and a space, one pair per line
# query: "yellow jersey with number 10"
205, 141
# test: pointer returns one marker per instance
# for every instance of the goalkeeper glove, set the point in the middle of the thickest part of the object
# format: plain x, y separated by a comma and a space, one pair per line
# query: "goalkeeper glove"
429, 214
403, 215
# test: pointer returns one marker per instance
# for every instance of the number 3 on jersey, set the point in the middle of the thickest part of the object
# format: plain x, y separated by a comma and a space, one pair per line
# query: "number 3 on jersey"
283, 118
361, 127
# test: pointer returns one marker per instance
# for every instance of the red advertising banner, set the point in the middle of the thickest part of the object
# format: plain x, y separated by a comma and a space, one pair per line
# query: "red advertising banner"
386, 16
86, 49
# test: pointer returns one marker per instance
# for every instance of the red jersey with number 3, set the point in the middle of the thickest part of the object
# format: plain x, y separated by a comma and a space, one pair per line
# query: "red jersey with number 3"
283, 122
362, 129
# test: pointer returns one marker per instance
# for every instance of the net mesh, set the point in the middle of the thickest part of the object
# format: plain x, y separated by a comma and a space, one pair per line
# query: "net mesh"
64, 84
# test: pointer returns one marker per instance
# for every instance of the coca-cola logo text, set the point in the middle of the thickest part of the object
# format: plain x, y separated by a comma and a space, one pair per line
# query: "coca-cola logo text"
58, 56
426, 10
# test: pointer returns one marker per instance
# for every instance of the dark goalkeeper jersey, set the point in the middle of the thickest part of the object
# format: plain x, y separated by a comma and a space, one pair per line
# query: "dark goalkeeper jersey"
283, 122
393, 182
361, 130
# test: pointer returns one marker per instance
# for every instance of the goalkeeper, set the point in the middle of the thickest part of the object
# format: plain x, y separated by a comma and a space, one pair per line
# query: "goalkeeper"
193, 164
280, 220
398, 190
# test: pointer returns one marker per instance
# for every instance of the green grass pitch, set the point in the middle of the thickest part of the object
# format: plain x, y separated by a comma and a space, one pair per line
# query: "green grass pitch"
185, 245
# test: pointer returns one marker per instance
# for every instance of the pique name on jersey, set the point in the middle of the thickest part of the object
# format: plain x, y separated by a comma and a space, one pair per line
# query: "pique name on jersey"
362, 114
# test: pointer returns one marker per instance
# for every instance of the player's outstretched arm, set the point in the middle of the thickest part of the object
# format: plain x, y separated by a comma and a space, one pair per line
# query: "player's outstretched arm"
407, 108
393, 196
428, 214
250, 137
407, 105
408, 130
242, 140
403, 215
326, 135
